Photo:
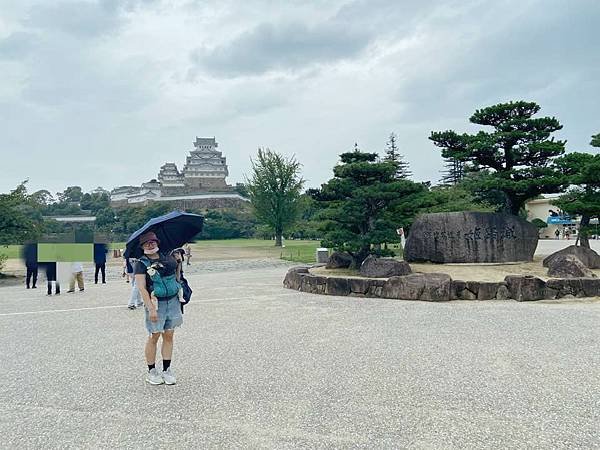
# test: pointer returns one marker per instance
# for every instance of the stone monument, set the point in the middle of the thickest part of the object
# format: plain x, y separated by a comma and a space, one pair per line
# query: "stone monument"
470, 237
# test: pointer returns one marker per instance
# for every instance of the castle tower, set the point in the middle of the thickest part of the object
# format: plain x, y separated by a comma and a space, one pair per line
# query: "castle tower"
205, 168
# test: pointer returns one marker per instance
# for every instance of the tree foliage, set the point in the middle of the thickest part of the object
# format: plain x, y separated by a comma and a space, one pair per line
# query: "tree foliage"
228, 224
393, 155
364, 204
514, 159
582, 171
274, 189
452, 199
19, 219
454, 171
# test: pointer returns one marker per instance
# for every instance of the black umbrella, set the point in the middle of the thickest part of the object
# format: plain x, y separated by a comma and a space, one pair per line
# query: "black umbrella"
173, 230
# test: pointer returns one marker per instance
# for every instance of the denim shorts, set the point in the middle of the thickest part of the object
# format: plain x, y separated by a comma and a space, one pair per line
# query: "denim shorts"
169, 316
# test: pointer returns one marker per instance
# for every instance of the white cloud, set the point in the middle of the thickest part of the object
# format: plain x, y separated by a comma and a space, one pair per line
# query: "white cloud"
104, 92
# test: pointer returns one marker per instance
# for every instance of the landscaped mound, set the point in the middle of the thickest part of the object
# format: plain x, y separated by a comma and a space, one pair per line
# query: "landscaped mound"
441, 287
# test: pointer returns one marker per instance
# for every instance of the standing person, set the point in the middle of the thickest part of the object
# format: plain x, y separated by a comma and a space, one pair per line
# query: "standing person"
76, 274
568, 234
51, 276
31, 263
188, 253
128, 269
557, 234
100, 252
163, 315
135, 297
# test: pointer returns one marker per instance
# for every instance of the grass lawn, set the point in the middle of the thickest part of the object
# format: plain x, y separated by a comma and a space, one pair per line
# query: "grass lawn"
11, 251
294, 250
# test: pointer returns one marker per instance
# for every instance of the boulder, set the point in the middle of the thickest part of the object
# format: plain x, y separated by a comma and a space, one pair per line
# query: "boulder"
374, 267
337, 286
339, 260
525, 288
434, 287
484, 290
470, 237
313, 284
561, 287
293, 277
456, 289
359, 286
591, 287
568, 266
502, 293
376, 288
587, 256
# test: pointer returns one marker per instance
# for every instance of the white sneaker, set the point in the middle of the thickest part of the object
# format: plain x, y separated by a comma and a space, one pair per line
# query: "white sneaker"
153, 377
168, 376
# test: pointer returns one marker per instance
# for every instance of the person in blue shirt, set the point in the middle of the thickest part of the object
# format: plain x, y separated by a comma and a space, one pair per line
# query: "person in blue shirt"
100, 252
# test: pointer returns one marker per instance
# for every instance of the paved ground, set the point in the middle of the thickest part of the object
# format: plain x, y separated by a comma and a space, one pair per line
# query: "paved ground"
260, 366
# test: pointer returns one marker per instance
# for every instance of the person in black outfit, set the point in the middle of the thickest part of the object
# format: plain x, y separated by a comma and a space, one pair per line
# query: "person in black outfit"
30, 256
100, 252
50, 277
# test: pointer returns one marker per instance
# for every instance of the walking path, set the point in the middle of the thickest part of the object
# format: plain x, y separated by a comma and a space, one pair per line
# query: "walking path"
260, 366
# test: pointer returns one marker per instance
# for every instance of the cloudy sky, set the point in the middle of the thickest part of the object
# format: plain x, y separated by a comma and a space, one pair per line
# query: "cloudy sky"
102, 93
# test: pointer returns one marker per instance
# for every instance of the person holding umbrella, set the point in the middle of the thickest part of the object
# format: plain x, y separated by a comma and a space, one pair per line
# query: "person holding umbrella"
162, 316
156, 275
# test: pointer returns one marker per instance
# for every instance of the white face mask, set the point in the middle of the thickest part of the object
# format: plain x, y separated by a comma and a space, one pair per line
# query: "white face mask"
151, 251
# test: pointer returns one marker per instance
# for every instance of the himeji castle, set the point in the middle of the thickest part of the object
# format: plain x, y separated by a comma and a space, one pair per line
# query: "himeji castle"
200, 183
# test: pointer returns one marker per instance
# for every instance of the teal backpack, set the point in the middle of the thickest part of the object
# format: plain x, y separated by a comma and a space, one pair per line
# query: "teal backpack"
163, 287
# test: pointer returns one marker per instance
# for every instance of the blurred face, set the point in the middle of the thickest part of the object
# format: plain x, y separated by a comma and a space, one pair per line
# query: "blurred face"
150, 247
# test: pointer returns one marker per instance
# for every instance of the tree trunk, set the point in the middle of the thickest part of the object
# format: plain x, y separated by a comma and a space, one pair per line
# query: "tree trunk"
360, 256
278, 239
583, 234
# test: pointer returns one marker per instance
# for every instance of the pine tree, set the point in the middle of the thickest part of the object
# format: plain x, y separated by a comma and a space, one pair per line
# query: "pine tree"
393, 155
454, 172
513, 159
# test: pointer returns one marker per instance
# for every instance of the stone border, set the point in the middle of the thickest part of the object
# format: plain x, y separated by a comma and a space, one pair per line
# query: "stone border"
440, 287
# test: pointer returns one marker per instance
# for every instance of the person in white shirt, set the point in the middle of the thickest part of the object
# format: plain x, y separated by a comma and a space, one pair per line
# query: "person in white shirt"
76, 274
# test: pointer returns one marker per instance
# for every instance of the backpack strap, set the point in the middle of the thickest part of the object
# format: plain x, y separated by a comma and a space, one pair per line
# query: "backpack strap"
144, 260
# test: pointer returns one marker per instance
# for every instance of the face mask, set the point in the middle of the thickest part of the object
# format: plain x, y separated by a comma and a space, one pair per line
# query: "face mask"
152, 251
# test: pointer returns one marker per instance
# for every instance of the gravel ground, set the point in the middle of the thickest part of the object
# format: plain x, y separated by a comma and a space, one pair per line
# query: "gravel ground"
260, 366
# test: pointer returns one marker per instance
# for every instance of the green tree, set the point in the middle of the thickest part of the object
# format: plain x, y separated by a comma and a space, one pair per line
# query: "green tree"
393, 155
274, 189
539, 224
452, 199
454, 171
228, 224
42, 198
515, 158
70, 194
583, 198
364, 204
595, 140
307, 227
19, 221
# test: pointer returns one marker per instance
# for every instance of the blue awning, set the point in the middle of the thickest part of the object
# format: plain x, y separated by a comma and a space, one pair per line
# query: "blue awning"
560, 220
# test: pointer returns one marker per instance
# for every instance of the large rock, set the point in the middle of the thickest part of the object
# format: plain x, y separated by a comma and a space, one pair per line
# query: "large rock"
293, 278
434, 287
568, 266
470, 237
587, 256
374, 267
337, 286
339, 260
525, 288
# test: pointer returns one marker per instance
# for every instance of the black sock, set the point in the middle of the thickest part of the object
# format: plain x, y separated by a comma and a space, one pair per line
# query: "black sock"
166, 363
151, 366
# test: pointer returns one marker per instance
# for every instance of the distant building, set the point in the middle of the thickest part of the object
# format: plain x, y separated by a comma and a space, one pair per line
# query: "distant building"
201, 183
543, 209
